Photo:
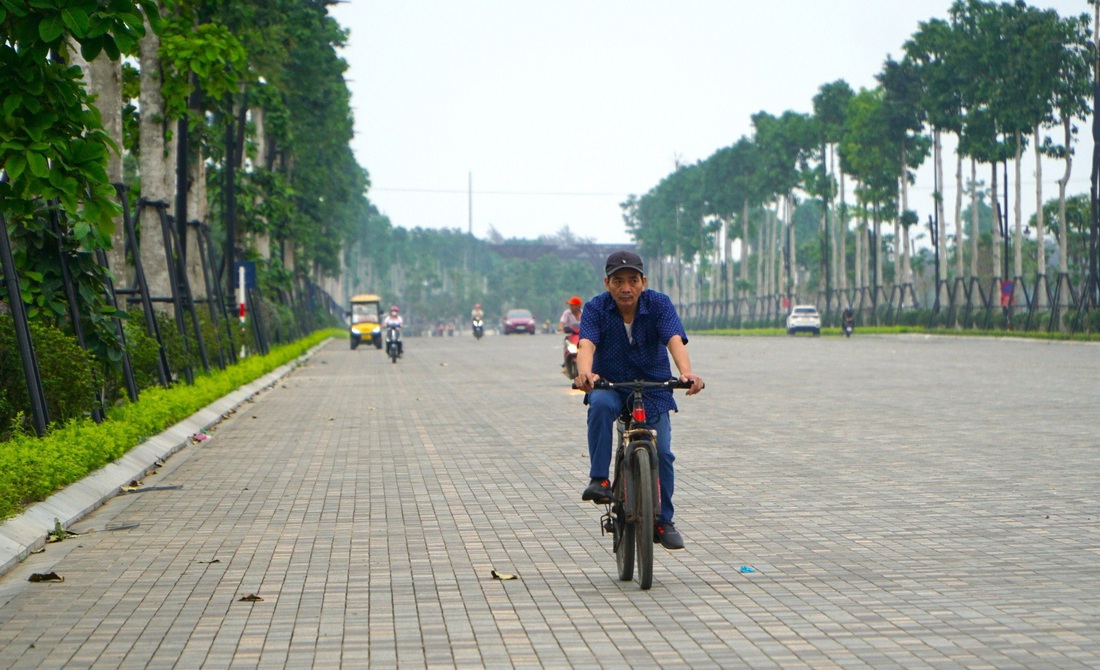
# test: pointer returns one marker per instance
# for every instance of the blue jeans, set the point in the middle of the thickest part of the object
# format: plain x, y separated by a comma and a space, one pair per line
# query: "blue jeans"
603, 408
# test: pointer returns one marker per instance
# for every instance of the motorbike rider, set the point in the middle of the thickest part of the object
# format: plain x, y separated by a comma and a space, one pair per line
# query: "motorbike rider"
848, 315
476, 314
393, 319
571, 317
630, 332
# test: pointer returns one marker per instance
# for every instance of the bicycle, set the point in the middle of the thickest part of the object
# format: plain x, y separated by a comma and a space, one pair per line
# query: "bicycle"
631, 518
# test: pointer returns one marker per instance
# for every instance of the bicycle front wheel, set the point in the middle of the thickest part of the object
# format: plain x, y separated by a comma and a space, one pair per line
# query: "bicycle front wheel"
624, 531
643, 517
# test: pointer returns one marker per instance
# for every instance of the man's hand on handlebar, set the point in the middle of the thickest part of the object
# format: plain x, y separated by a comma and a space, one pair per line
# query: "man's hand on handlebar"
586, 381
696, 383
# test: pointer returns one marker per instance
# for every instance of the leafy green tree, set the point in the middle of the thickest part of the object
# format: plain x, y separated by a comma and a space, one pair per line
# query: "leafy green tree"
56, 192
904, 119
830, 105
869, 153
933, 49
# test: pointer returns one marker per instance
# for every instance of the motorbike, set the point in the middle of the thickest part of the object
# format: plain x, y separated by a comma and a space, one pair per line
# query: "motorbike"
393, 343
848, 326
478, 327
569, 349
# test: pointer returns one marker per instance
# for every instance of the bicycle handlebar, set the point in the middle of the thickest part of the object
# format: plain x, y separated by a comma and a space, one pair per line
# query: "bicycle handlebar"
639, 385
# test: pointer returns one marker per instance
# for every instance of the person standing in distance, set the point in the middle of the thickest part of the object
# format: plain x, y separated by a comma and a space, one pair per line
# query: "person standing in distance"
628, 333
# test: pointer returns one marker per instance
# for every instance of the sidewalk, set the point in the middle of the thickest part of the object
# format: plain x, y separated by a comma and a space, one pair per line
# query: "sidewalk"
29, 532
901, 502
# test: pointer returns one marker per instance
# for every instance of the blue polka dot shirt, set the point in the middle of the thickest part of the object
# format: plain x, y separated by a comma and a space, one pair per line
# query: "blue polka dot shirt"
618, 359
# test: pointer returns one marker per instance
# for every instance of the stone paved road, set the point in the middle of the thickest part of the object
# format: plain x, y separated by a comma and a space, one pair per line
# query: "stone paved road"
905, 502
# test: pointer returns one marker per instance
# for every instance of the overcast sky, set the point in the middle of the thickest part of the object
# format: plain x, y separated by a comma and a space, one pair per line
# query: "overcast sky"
560, 110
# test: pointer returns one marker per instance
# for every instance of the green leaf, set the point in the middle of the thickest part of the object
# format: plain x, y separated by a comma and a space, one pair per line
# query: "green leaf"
12, 102
76, 20
39, 167
51, 29
31, 274
111, 48
91, 48
15, 165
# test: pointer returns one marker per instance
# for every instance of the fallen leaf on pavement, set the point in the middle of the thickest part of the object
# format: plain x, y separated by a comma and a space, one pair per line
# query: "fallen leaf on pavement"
45, 577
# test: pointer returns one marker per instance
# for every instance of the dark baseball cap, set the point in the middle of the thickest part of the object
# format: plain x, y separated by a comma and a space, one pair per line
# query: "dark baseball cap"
621, 260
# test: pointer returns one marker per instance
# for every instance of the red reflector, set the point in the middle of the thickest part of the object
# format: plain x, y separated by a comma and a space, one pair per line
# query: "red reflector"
639, 413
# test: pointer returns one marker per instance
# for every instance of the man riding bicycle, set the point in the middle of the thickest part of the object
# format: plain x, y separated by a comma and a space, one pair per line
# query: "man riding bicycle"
628, 333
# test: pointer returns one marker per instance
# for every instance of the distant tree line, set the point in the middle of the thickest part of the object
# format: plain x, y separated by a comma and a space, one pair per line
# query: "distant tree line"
805, 199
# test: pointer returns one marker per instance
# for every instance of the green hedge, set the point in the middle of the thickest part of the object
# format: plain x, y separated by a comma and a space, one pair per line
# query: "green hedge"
32, 468
67, 371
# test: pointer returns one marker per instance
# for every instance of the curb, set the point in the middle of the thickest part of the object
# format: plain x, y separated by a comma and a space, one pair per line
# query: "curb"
28, 532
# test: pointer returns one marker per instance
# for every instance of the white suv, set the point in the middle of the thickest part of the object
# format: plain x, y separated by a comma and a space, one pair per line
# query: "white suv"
802, 318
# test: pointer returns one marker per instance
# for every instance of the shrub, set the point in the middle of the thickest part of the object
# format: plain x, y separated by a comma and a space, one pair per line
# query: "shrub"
67, 372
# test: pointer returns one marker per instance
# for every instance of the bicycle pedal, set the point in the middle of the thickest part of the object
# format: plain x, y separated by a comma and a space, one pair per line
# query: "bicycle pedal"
608, 526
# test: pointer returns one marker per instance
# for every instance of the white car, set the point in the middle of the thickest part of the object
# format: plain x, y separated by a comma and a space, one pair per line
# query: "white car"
804, 318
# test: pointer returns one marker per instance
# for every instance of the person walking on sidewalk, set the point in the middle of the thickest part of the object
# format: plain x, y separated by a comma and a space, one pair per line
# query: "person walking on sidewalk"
628, 333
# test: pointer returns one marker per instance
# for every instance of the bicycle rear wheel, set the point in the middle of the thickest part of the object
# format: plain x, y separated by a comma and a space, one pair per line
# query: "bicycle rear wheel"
643, 517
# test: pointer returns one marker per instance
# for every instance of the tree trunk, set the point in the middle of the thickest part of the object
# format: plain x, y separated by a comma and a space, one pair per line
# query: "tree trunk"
902, 277
877, 252
996, 203
828, 266
1063, 229
975, 224
261, 238
842, 240
792, 244
198, 209
1017, 213
745, 229
1040, 250
157, 167
959, 228
759, 253
777, 260
103, 79
862, 257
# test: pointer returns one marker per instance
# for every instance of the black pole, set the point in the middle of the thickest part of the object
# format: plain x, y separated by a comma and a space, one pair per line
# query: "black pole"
934, 228
23, 334
70, 291
152, 328
182, 131
112, 300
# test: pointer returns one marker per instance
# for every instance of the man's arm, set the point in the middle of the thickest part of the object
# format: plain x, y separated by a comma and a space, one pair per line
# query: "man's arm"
586, 350
679, 353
